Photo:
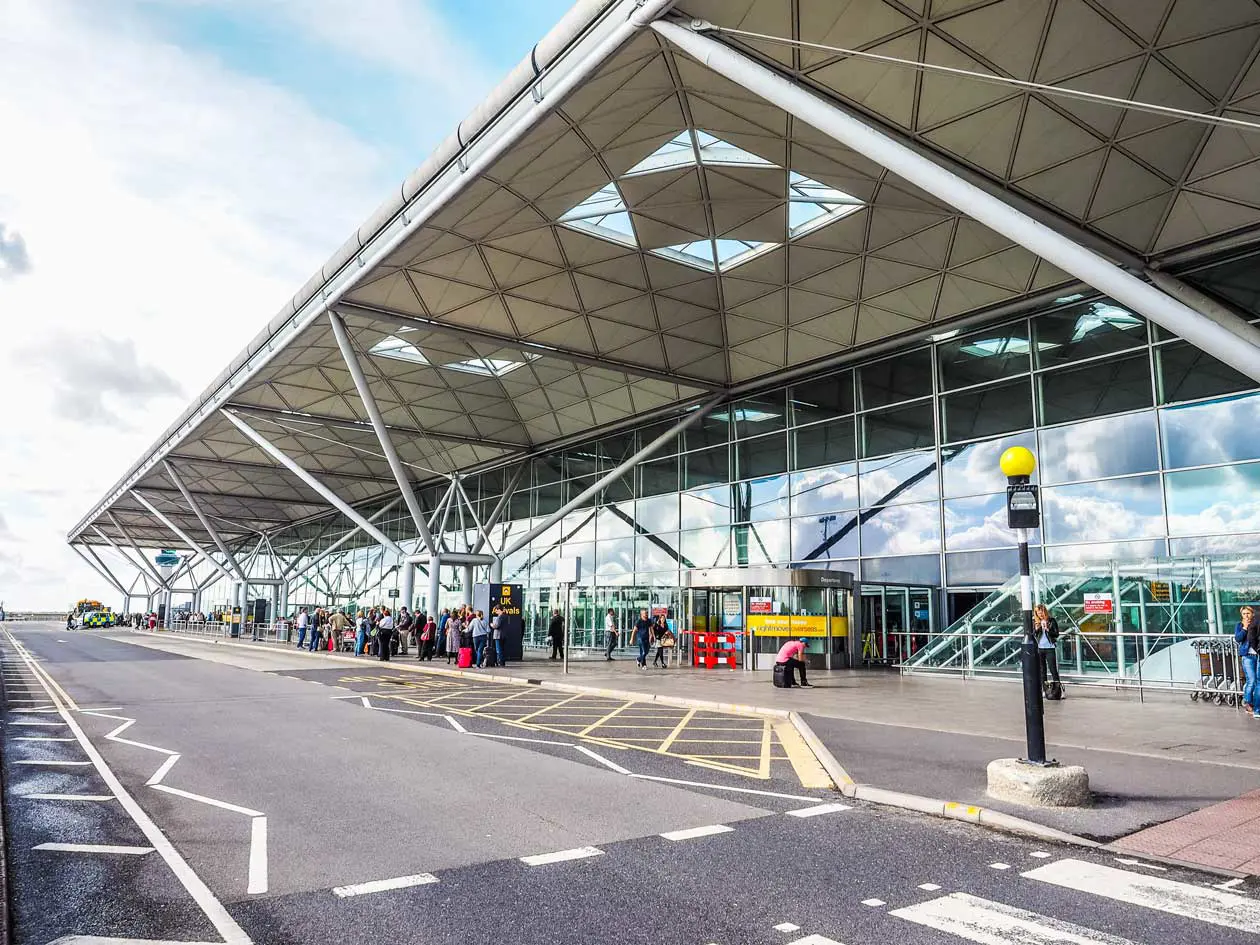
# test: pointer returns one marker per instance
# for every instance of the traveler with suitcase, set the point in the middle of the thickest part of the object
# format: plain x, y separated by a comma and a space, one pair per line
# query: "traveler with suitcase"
791, 657
1046, 631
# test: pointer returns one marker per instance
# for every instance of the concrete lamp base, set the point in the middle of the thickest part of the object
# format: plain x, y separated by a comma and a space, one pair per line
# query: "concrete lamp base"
1033, 786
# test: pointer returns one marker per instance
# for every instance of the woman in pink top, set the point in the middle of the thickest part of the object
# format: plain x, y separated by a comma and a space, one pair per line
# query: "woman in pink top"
792, 655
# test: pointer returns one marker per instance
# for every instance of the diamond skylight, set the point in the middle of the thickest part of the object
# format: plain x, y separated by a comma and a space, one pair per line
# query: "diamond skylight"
394, 347
605, 213
488, 367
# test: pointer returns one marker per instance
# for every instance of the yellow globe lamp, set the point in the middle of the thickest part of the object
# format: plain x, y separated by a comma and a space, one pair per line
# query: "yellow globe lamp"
1018, 461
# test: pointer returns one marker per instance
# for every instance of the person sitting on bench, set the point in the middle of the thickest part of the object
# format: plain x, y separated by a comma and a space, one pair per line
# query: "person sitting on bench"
792, 656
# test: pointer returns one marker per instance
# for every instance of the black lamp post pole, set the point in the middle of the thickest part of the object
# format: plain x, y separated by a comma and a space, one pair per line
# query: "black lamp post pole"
1030, 663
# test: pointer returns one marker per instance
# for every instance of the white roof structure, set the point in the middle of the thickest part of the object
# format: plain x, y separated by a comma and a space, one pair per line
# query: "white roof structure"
620, 232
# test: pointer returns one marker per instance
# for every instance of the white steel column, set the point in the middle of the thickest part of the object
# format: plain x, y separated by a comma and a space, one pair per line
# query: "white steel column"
408, 590
328, 495
396, 465
1086, 265
435, 585
1205, 304
201, 517
144, 563
337, 544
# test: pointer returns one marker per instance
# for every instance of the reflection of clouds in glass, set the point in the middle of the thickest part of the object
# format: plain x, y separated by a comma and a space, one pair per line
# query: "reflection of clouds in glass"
972, 469
1111, 446
1214, 545
767, 543
650, 556
765, 499
706, 507
828, 489
615, 558
1105, 551
609, 524
1214, 501
707, 547
1098, 511
659, 513
1219, 431
881, 478
977, 523
902, 529
809, 535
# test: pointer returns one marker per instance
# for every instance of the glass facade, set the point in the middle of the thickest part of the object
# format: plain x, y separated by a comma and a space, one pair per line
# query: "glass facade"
889, 468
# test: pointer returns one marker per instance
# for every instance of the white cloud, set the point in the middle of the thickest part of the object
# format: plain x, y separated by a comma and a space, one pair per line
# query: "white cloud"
173, 205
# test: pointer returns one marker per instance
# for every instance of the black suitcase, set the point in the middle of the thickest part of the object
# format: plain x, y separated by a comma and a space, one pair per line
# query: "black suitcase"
783, 676
1051, 690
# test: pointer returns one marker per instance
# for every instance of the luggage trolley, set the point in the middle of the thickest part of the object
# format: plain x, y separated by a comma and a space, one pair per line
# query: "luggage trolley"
1218, 672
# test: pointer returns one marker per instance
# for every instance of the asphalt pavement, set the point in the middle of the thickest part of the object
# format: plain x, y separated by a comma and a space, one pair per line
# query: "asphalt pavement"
178, 798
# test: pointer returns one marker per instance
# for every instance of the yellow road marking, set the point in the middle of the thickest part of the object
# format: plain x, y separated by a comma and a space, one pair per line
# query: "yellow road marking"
541, 711
809, 772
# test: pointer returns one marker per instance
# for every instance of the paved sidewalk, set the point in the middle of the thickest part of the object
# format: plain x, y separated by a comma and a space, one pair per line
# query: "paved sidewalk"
1150, 762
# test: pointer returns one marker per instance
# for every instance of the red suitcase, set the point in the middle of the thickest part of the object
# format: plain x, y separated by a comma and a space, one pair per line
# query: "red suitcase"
465, 657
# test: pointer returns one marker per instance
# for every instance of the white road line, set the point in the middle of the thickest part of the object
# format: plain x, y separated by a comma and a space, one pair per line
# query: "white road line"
455, 724
48, 724
1213, 906
40, 738
68, 797
815, 940
220, 918
213, 802
1141, 863
93, 848
99, 940
691, 833
385, 885
787, 927
874, 903
55, 764
612, 765
929, 887
720, 787
1228, 884
1040, 854
999, 866
818, 809
994, 923
257, 855
161, 772
542, 859
516, 738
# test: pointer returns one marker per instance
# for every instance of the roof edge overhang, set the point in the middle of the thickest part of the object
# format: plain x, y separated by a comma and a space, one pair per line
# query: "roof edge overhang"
587, 35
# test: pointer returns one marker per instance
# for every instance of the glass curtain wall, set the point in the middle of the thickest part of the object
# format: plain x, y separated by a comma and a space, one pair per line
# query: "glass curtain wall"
1146, 447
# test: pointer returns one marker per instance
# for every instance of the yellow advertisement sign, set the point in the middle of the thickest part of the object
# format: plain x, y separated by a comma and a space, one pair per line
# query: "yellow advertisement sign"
781, 625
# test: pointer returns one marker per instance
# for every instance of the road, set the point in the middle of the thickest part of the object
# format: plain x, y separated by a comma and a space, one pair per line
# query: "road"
161, 790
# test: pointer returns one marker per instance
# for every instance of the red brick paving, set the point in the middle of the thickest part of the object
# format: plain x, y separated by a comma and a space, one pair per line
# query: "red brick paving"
1226, 836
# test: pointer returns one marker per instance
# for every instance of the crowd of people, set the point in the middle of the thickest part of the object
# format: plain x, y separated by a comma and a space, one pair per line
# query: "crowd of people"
459, 634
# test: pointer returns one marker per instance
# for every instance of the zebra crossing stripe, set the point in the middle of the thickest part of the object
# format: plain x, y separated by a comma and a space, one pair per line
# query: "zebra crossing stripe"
1202, 903
994, 923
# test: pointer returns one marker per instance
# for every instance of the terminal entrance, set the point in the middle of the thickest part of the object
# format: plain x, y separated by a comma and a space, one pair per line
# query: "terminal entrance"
738, 618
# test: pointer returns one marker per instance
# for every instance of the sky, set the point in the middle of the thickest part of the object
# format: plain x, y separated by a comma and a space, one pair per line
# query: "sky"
171, 172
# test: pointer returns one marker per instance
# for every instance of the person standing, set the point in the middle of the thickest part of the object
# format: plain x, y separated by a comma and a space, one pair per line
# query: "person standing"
1046, 629
337, 624
1247, 636
361, 634
442, 619
428, 640
664, 641
496, 634
403, 628
610, 634
555, 631
453, 631
643, 636
384, 635
480, 633
302, 621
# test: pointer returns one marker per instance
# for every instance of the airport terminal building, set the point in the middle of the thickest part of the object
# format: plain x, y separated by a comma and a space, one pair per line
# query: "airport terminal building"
738, 302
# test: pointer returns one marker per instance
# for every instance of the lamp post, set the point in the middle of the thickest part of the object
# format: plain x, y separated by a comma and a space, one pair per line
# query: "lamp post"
1023, 513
